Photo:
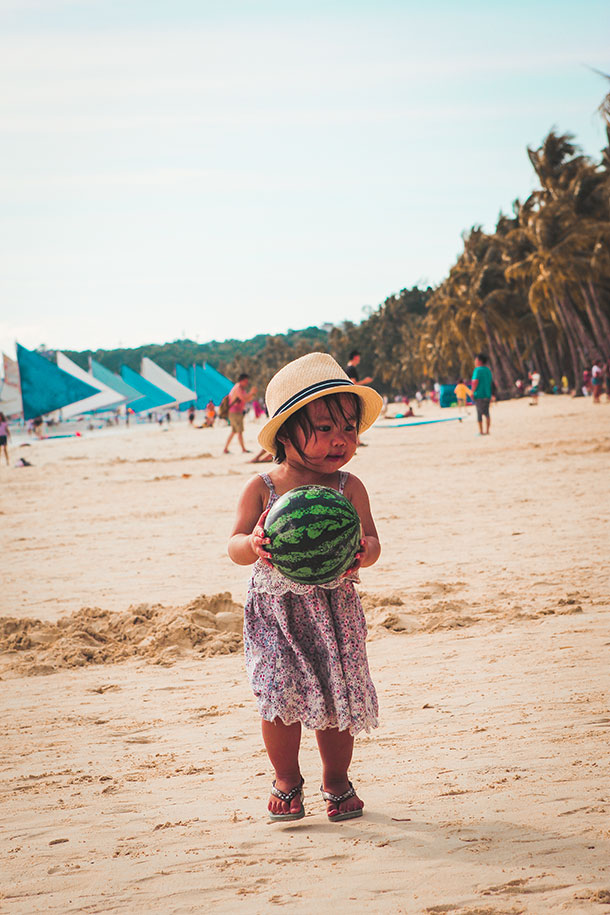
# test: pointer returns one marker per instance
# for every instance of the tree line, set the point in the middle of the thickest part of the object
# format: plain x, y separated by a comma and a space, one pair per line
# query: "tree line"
534, 294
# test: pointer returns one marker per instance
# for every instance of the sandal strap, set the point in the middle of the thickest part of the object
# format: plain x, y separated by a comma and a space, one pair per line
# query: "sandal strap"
338, 798
287, 796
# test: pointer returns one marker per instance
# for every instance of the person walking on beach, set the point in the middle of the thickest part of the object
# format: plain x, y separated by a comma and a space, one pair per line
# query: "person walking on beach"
304, 645
239, 398
462, 393
5, 434
481, 387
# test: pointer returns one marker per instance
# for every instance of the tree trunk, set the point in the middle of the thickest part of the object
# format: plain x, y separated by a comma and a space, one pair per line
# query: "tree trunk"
519, 359
597, 321
495, 367
552, 367
583, 340
603, 317
576, 367
506, 361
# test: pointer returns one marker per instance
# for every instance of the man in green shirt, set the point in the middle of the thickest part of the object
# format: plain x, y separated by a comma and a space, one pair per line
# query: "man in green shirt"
481, 387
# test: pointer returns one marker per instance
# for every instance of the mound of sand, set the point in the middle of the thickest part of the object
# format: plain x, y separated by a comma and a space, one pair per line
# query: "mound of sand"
213, 625
205, 626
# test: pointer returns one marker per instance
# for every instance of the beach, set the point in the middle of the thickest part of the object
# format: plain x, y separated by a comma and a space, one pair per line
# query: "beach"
133, 772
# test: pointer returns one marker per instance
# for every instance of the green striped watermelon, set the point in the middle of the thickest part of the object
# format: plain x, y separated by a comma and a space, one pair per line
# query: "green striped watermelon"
314, 534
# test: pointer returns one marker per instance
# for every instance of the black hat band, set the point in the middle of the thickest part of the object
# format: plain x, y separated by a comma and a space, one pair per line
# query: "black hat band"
312, 389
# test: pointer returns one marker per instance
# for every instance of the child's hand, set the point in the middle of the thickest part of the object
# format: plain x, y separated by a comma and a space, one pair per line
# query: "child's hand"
358, 559
258, 539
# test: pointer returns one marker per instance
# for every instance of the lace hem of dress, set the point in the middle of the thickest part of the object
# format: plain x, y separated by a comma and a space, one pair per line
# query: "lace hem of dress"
366, 722
267, 580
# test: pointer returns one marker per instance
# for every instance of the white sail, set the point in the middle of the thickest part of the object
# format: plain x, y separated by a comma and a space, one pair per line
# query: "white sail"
10, 389
105, 399
162, 379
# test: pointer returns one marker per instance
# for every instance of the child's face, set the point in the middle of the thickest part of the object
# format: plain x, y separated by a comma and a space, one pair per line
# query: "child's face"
334, 441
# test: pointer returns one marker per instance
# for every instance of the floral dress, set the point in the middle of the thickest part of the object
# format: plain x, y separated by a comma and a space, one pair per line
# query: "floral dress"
305, 649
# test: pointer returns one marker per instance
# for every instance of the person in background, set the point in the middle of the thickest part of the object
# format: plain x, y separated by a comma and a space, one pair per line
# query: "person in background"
239, 398
210, 414
351, 369
597, 379
5, 434
481, 387
462, 393
263, 457
534, 389
191, 414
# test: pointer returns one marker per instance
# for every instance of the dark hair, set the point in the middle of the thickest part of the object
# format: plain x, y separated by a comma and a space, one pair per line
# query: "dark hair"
300, 420
243, 377
482, 358
353, 353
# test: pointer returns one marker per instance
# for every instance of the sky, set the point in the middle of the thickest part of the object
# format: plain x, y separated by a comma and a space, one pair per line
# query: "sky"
221, 168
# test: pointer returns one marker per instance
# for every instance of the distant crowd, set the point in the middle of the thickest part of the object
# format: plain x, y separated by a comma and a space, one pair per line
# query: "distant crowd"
243, 399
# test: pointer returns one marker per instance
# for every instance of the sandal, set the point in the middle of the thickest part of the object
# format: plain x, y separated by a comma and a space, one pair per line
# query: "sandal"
337, 799
287, 797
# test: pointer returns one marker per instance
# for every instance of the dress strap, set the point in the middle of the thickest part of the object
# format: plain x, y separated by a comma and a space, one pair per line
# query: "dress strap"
343, 475
267, 479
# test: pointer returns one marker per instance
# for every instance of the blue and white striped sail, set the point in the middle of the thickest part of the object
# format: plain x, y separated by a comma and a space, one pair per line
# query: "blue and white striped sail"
113, 381
152, 397
105, 399
166, 382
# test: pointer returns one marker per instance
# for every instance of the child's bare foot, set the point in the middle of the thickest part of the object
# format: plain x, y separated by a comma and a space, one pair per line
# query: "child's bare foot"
342, 802
286, 801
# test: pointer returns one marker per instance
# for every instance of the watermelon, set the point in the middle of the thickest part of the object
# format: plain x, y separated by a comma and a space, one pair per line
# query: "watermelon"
314, 534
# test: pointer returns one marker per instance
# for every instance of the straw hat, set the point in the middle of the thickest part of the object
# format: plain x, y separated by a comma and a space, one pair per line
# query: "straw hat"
306, 379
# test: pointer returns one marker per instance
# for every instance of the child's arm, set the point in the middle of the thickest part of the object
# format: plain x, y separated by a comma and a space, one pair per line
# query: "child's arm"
370, 548
247, 541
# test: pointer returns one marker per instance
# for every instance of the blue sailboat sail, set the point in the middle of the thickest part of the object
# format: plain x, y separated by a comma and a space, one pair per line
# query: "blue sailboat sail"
113, 381
210, 385
45, 387
186, 376
151, 397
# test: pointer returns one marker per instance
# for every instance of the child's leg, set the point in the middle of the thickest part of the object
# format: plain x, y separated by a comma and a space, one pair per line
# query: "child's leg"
336, 748
282, 742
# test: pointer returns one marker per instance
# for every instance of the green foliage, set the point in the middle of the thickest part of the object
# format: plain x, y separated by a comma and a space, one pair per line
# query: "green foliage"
388, 341
260, 356
535, 294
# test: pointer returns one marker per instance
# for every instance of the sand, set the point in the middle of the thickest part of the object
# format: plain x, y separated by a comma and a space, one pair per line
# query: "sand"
133, 774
